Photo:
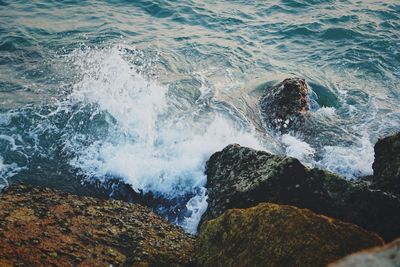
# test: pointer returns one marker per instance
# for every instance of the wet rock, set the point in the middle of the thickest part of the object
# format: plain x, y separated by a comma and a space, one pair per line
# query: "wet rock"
173, 209
385, 256
285, 105
277, 235
98, 235
387, 164
240, 177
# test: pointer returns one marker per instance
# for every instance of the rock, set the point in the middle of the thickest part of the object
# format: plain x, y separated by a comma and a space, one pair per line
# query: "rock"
171, 208
100, 232
387, 164
285, 104
277, 235
241, 177
385, 256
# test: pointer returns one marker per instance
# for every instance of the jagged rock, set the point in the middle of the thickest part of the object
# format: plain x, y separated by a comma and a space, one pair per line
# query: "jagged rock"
387, 164
385, 256
285, 104
40, 226
278, 235
241, 177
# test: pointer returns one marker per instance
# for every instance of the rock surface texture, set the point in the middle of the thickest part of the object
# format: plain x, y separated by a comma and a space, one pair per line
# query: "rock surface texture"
277, 235
284, 105
385, 256
387, 164
40, 226
240, 177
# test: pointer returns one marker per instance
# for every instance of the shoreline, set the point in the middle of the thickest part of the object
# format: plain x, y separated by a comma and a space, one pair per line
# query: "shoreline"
23, 205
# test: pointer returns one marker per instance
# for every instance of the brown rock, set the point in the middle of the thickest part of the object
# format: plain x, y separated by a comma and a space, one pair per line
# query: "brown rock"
385, 256
82, 231
285, 105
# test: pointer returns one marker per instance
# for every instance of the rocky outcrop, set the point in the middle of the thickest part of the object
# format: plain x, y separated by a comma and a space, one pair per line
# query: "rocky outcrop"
284, 105
277, 235
387, 164
40, 226
240, 177
385, 256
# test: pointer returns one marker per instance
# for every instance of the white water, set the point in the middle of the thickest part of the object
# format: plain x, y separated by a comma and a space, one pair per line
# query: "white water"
297, 148
150, 145
351, 162
7, 170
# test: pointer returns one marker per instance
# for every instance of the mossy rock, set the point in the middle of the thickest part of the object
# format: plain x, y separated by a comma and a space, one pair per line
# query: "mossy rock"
40, 226
278, 235
241, 177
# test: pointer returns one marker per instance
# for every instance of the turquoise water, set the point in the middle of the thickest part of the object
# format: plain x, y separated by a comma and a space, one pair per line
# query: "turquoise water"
145, 91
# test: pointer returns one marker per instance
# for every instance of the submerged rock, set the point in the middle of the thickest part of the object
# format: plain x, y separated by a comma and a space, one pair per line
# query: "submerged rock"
385, 256
241, 177
278, 235
40, 226
285, 104
387, 164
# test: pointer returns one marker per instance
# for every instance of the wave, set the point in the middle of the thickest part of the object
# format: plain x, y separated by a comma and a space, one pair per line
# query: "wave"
115, 123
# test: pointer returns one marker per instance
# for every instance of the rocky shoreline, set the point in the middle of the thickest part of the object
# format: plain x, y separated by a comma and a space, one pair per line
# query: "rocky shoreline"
263, 210
41, 226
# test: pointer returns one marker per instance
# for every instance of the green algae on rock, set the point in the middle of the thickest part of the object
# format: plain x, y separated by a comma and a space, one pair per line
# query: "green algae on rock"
278, 235
241, 177
40, 226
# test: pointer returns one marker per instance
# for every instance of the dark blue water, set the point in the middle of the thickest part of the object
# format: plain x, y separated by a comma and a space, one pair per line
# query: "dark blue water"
145, 91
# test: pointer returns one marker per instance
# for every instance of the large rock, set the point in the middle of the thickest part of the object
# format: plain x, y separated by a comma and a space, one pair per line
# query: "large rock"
275, 235
284, 105
40, 226
385, 256
387, 164
241, 177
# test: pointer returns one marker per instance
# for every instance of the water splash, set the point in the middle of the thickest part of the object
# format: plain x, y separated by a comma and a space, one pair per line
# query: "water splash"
148, 143
298, 149
7, 170
350, 161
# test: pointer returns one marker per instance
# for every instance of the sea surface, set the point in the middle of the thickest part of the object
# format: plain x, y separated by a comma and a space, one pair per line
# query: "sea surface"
97, 93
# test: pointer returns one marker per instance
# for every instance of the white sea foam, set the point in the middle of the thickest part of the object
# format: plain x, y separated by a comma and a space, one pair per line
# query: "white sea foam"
6, 171
151, 145
350, 161
298, 149
197, 205
325, 112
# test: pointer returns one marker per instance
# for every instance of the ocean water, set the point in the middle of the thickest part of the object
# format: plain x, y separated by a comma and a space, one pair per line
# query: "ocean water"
143, 92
